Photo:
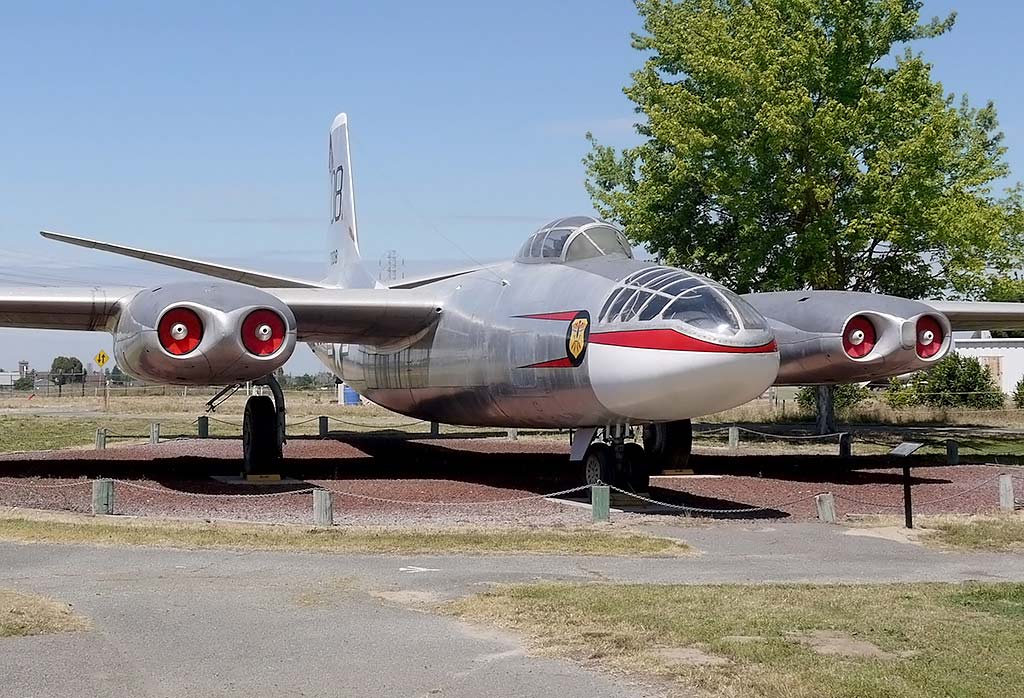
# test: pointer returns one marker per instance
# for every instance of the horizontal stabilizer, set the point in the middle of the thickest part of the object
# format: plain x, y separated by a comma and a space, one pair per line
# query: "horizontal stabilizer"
217, 271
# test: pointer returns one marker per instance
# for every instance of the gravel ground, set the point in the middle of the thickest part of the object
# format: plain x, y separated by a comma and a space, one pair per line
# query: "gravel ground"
463, 481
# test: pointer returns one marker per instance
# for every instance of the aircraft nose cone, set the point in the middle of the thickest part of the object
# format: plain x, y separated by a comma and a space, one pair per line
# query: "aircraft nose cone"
665, 378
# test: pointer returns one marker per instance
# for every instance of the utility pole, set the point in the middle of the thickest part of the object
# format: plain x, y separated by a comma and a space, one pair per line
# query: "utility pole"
392, 267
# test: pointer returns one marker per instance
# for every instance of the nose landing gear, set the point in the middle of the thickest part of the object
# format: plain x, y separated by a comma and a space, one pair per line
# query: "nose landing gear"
612, 461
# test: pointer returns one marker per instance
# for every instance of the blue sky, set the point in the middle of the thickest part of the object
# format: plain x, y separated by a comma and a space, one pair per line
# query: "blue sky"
201, 127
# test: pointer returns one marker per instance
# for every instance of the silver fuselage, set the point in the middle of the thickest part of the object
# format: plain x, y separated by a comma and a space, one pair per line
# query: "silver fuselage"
500, 355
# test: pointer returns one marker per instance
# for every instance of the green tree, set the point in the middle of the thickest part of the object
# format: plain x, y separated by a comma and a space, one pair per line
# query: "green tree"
1018, 394
1007, 289
847, 396
955, 381
66, 369
26, 382
792, 144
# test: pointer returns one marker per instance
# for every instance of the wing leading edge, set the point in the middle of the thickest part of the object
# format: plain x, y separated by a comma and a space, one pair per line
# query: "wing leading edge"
345, 316
218, 271
981, 315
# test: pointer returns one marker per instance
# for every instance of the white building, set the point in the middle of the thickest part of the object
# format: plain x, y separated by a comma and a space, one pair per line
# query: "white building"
1004, 357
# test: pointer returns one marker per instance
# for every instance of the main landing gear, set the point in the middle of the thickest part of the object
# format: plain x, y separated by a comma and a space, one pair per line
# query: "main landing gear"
263, 430
610, 460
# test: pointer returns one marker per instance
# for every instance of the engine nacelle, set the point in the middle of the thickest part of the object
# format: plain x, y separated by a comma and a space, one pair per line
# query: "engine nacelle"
202, 334
845, 337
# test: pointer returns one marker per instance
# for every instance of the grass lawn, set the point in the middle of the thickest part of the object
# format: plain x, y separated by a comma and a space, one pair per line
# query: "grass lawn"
799, 641
338, 540
28, 614
993, 533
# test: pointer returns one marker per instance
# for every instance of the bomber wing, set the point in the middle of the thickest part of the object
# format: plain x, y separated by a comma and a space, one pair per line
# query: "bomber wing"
981, 315
347, 316
218, 271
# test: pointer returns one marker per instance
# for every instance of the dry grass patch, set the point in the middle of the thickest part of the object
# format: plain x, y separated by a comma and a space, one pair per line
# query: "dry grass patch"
992, 533
28, 614
582, 541
798, 641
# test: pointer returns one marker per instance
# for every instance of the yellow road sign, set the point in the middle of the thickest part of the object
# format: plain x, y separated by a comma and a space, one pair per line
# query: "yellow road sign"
101, 359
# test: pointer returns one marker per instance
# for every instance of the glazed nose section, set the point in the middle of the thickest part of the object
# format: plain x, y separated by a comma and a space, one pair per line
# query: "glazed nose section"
665, 375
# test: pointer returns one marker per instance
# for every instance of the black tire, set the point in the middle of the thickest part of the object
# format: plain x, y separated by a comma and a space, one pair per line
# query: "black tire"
261, 448
598, 465
668, 445
638, 473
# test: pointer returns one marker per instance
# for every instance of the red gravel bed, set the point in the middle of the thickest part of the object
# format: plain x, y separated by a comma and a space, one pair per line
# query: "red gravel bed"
456, 481
175, 479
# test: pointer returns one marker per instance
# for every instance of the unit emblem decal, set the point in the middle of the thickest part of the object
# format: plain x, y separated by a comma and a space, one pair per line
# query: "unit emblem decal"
576, 337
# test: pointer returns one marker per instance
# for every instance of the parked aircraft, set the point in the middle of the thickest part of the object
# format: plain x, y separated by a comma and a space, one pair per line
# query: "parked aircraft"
571, 333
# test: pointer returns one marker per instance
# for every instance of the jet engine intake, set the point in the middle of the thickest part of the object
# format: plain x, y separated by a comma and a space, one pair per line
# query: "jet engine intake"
201, 334
838, 337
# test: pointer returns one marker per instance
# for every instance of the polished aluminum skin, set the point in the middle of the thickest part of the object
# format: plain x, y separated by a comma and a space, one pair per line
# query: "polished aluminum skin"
220, 357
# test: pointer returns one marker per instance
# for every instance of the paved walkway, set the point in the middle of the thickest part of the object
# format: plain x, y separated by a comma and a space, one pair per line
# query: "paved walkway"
215, 623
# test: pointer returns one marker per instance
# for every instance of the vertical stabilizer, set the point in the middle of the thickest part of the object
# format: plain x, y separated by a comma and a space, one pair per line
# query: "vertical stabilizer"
345, 267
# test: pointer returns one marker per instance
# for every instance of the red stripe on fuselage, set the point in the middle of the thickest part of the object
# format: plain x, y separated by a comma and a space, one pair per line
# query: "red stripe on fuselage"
564, 315
564, 362
671, 340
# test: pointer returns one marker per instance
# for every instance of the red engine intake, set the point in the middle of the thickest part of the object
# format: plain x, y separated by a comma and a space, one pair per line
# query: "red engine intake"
929, 337
263, 332
180, 331
859, 337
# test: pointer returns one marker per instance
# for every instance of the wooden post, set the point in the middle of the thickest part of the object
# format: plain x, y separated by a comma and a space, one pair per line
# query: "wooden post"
734, 438
101, 439
154, 433
204, 427
952, 452
103, 497
1007, 502
845, 445
435, 429
600, 502
323, 508
322, 423
826, 506
513, 434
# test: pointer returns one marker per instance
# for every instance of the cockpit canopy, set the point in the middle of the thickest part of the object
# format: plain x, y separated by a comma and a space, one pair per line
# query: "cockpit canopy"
573, 239
667, 293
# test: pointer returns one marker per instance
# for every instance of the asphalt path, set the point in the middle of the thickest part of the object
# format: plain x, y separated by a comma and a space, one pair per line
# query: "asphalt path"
224, 623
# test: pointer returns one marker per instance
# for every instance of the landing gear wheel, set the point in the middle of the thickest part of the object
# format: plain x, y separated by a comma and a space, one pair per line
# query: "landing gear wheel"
598, 465
261, 447
668, 445
637, 471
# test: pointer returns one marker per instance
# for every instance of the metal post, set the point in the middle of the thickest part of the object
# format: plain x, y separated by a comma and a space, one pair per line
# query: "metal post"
323, 425
435, 429
154, 433
323, 508
204, 427
826, 506
952, 452
908, 506
734, 438
845, 445
102, 496
600, 502
101, 439
106, 396
1007, 501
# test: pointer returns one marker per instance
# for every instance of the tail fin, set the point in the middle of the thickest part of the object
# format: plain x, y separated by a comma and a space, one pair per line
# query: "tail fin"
345, 267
